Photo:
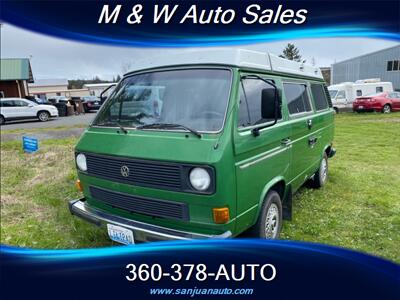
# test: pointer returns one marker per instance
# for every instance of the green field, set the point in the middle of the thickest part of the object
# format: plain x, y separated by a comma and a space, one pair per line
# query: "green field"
359, 208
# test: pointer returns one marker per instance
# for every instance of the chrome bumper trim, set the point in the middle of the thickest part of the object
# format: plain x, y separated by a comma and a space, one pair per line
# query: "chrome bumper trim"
142, 231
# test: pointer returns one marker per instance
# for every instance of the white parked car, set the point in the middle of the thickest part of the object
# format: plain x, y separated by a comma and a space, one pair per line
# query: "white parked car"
18, 108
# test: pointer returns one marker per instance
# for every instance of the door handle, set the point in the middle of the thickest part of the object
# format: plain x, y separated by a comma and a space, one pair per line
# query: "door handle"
286, 142
312, 141
309, 123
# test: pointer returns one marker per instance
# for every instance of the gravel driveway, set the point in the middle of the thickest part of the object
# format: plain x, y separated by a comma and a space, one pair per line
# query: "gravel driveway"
83, 119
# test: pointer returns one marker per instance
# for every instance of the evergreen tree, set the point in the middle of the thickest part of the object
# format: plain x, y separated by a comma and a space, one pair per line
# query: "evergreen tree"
291, 53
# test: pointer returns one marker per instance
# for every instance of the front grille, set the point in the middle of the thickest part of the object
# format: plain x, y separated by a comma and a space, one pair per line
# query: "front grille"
137, 172
141, 205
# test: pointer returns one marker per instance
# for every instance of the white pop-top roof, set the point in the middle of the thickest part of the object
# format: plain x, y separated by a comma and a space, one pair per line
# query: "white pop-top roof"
231, 57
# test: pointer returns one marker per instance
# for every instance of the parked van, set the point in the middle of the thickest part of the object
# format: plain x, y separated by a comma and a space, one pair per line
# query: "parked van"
208, 146
343, 94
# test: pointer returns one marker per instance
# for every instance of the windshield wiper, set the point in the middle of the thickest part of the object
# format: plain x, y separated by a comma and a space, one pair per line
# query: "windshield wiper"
114, 124
168, 125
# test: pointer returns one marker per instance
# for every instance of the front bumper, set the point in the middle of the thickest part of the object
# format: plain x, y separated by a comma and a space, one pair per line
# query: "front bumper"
93, 106
141, 231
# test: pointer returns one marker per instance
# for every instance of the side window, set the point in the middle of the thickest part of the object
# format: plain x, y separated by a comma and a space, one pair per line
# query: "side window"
379, 89
297, 98
319, 96
20, 103
359, 93
341, 95
8, 103
250, 102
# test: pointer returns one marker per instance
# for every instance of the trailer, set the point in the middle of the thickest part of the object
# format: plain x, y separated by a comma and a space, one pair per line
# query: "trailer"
343, 94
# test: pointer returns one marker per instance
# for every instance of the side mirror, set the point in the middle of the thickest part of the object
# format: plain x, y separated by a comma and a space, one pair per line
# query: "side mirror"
270, 104
30, 105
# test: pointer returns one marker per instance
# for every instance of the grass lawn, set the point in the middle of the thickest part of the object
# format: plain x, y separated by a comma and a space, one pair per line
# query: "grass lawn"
359, 208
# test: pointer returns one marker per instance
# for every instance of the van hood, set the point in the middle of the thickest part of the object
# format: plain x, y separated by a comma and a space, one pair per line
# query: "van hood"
160, 145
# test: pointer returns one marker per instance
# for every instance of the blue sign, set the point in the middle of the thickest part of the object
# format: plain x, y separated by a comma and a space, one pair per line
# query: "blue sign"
30, 144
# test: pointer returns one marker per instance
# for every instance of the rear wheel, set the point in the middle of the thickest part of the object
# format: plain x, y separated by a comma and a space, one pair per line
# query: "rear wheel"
321, 176
2, 120
269, 223
43, 116
386, 109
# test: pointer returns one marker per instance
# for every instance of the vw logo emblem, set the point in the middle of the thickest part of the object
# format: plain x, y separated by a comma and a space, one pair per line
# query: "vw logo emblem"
124, 171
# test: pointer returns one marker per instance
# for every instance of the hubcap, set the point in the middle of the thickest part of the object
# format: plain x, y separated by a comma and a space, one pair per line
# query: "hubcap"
272, 222
324, 170
386, 109
43, 116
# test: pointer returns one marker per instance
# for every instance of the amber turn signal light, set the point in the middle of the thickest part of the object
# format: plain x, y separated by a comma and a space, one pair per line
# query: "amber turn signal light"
79, 185
221, 215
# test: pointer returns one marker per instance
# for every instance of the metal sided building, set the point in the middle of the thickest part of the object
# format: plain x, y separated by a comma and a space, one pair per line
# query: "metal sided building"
383, 64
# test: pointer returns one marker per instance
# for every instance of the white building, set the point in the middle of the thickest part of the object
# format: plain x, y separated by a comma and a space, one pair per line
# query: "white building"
95, 89
46, 88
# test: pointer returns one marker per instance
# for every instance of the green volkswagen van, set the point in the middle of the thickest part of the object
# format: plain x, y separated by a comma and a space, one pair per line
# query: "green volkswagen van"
206, 144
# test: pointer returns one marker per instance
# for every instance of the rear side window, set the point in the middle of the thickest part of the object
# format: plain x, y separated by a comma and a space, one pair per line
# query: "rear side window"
297, 98
7, 103
379, 89
319, 96
359, 93
250, 102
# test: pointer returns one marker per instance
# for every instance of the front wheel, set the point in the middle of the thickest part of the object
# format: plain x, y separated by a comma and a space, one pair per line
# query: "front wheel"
43, 116
386, 109
269, 223
321, 176
2, 120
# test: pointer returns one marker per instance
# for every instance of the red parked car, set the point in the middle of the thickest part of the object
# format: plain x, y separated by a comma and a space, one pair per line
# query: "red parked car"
381, 102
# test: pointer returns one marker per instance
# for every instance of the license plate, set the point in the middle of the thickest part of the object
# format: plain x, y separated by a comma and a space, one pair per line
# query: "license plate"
361, 107
120, 234
96, 103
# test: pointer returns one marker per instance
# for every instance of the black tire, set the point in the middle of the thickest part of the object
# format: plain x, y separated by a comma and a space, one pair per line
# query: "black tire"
321, 176
43, 116
386, 109
271, 212
336, 110
2, 120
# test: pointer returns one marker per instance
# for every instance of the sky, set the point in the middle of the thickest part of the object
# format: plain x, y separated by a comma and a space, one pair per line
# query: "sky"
57, 58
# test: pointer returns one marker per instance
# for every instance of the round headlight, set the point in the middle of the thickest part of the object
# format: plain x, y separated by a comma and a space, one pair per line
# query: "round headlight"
81, 162
199, 179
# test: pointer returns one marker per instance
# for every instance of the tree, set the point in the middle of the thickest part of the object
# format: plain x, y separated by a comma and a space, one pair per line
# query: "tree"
291, 53
126, 67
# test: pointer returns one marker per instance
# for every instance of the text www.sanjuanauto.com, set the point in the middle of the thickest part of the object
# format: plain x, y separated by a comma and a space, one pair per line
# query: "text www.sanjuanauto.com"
200, 291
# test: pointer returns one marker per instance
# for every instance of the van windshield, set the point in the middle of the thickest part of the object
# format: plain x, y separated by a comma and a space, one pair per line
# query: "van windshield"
195, 98
332, 93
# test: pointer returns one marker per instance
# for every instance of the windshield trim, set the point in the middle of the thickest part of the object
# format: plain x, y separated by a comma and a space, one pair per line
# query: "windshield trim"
207, 67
